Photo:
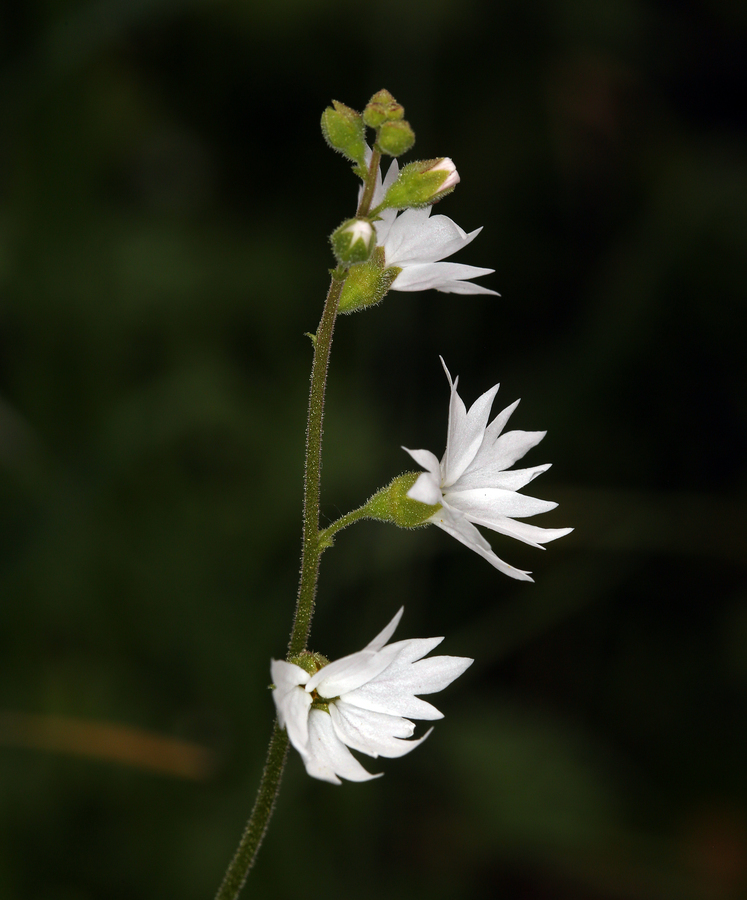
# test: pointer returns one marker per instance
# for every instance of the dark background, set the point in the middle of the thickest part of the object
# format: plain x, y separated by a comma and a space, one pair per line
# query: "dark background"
165, 197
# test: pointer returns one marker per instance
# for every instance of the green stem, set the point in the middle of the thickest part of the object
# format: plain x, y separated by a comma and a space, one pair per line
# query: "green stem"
325, 536
368, 191
269, 787
311, 552
256, 827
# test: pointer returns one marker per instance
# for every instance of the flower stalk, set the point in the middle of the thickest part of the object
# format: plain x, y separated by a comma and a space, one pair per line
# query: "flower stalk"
311, 553
256, 827
312, 548
364, 206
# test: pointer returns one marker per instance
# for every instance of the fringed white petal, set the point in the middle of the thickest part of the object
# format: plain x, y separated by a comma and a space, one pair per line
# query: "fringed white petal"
440, 276
373, 733
326, 756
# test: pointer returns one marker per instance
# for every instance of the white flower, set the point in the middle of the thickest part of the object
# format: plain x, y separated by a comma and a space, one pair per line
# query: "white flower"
473, 483
415, 242
360, 701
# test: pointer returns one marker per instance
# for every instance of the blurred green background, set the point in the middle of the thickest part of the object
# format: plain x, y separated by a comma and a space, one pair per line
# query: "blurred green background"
165, 196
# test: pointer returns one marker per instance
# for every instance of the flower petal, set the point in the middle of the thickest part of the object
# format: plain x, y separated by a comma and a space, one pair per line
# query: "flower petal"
383, 225
393, 691
452, 520
512, 480
408, 651
373, 733
383, 636
417, 237
490, 502
291, 701
533, 535
390, 698
426, 676
460, 287
426, 490
350, 672
506, 449
426, 459
326, 756
440, 276
466, 432
457, 526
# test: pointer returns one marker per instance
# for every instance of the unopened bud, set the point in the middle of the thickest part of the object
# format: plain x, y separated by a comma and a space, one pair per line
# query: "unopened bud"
353, 242
422, 183
382, 107
344, 131
395, 138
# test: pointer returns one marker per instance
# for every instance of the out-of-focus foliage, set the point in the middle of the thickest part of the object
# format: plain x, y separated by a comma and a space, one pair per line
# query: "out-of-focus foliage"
165, 197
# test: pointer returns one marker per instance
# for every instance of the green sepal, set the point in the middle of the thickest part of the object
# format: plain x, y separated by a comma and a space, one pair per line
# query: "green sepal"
395, 138
420, 184
344, 130
367, 283
309, 662
391, 504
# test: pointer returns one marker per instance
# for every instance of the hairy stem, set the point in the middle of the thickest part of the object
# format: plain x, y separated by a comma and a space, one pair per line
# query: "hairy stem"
368, 189
325, 536
256, 827
310, 552
269, 787
312, 548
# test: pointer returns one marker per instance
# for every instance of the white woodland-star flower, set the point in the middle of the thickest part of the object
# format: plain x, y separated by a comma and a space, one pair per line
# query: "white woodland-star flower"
416, 242
361, 701
474, 485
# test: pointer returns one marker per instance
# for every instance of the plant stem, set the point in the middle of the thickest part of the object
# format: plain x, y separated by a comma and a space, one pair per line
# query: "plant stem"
311, 552
368, 191
256, 827
269, 787
355, 516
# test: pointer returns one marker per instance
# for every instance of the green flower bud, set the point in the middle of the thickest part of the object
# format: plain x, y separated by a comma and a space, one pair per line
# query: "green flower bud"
391, 504
422, 183
367, 283
353, 242
382, 107
395, 138
374, 115
344, 131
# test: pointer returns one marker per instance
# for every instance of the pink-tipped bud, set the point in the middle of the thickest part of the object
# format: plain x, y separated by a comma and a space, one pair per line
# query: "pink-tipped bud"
452, 176
422, 183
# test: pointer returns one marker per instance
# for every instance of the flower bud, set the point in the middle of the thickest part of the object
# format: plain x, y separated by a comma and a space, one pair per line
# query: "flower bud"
353, 242
382, 107
422, 183
391, 504
395, 138
367, 283
344, 131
